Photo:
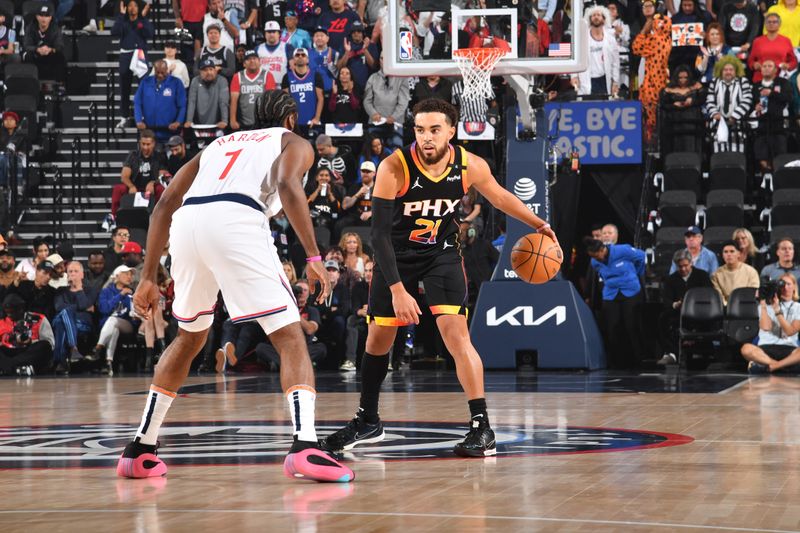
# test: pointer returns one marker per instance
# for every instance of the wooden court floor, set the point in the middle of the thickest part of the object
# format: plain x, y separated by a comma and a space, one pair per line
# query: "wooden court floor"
572, 461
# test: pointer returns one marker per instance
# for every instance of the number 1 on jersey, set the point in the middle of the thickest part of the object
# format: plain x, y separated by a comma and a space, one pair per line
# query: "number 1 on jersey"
233, 156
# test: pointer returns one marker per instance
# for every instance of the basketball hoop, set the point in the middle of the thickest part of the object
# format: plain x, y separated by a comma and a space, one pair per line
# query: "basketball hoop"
476, 66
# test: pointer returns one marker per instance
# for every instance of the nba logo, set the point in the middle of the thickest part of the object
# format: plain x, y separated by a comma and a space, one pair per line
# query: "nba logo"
406, 46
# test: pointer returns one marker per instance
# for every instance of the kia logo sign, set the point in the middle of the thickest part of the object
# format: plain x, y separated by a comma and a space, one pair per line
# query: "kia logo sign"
525, 189
525, 312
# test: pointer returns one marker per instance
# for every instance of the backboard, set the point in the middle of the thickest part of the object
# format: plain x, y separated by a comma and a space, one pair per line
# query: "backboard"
420, 43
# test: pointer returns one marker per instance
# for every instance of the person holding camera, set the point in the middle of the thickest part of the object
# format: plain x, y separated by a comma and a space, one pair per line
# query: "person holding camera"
26, 339
778, 325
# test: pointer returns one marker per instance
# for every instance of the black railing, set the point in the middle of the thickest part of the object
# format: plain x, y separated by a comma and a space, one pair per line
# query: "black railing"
13, 189
94, 142
77, 174
110, 107
58, 204
155, 17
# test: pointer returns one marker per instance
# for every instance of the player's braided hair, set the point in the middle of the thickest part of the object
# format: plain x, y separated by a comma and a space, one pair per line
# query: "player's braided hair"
273, 108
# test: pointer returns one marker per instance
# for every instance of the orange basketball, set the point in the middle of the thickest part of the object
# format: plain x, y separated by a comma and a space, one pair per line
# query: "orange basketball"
536, 258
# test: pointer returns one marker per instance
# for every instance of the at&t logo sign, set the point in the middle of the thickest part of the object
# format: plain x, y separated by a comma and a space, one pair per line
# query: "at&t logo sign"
525, 190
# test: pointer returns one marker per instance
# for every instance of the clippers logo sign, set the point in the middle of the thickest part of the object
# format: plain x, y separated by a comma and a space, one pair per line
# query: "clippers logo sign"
250, 442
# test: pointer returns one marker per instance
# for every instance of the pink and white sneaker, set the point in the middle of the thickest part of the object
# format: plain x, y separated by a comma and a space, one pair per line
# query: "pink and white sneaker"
140, 461
313, 463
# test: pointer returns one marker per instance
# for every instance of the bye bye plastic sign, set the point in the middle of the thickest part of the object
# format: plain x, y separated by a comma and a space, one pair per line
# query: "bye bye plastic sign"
603, 133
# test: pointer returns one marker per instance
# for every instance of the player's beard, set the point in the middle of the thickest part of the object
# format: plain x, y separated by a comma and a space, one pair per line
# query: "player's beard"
437, 156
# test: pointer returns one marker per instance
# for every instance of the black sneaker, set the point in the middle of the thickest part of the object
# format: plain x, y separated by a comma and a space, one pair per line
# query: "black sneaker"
479, 442
356, 432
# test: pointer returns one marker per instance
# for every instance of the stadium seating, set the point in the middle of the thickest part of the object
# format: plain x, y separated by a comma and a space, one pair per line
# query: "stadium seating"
784, 177
677, 208
701, 319
786, 208
741, 319
728, 170
725, 207
682, 172
361, 231
779, 232
668, 241
715, 237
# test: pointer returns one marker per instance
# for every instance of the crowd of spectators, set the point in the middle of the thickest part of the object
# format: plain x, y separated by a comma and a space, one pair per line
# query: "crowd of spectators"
736, 90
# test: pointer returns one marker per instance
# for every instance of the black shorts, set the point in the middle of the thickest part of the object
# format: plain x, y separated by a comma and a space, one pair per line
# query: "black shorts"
778, 351
442, 275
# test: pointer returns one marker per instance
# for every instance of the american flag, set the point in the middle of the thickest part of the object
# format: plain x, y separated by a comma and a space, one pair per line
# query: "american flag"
559, 50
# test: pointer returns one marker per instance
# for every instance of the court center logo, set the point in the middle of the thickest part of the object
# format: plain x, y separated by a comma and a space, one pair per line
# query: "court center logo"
251, 442
525, 189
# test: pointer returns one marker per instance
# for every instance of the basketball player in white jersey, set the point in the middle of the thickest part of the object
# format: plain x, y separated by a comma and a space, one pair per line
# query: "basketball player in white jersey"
215, 215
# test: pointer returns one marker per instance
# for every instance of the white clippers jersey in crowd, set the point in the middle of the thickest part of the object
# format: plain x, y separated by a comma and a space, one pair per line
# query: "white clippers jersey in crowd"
241, 163
275, 62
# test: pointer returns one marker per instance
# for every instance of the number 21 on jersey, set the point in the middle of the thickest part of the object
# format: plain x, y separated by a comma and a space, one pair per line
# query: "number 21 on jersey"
427, 233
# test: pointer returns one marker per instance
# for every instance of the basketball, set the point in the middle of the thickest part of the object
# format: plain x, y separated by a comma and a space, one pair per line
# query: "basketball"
536, 258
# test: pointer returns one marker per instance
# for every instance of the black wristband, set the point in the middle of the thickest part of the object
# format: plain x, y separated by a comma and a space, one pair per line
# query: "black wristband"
381, 236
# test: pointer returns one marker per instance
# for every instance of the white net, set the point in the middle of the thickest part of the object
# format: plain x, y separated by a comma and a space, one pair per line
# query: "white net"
476, 66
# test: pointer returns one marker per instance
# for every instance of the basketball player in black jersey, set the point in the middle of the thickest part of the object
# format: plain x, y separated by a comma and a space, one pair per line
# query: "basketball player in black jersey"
415, 238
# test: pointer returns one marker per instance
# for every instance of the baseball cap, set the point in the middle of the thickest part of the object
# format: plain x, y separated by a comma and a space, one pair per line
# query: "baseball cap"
175, 140
357, 26
250, 53
55, 259
11, 114
214, 26
330, 263
368, 165
291, 13
130, 247
45, 10
6, 251
45, 265
272, 25
323, 29
693, 230
207, 62
120, 269
300, 51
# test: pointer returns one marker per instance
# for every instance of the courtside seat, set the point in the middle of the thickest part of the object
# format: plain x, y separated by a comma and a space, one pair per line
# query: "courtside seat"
701, 319
741, 317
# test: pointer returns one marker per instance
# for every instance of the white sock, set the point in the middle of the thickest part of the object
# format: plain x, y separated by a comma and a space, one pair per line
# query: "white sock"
155, 409
301, 400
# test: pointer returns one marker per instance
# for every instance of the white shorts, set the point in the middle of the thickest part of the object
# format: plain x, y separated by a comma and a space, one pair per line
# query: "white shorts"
227, 246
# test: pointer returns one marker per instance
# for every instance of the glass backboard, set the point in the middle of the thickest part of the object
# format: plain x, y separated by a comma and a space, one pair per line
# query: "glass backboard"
422, 35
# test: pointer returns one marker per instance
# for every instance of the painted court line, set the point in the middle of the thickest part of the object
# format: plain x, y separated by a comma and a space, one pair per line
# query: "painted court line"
162, 511
742, 383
